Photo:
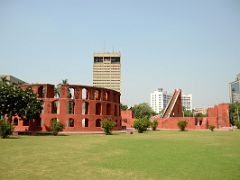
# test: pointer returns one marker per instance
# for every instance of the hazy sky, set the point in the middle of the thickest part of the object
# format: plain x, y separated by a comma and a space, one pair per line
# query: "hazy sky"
190, 44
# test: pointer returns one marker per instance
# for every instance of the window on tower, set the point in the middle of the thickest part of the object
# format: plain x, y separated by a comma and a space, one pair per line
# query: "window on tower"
98, 59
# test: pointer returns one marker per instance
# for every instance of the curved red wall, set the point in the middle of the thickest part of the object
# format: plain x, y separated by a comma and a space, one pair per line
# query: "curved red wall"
102, 104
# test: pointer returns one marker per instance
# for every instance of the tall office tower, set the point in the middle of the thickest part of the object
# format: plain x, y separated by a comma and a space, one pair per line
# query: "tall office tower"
107, 70
187, 102
159, 100
234, 88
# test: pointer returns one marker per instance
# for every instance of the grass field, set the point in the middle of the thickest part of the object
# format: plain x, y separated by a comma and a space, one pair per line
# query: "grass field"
152, 155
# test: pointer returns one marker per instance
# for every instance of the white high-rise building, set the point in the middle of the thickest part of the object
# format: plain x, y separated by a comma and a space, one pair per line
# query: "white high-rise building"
187, 102
159, 100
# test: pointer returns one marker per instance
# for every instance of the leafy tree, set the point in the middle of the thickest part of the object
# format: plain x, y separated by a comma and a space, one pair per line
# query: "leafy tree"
56, 127
143, 110
234, 113
200, 115
108, 125
161, 113
187, 113
16, 101
141, 124
154, 124
237, 124
123, 107
182, 125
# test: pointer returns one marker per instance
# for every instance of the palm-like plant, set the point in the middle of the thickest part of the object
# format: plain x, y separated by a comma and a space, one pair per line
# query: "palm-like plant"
57, 88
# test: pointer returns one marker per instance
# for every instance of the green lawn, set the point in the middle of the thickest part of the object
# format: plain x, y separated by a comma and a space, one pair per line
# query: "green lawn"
152, 155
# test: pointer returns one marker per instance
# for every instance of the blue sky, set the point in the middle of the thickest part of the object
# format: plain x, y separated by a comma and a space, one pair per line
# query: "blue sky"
189, 44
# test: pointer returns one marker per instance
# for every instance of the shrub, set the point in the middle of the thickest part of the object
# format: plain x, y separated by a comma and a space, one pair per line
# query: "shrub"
56, 127
141, 124
107, 126
182, 125
154, 125
211, 127
237, 124
6, 129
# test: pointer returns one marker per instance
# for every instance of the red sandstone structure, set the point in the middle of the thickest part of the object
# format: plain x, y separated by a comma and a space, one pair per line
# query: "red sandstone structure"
174, 107
79, 108
217, 116
127, 119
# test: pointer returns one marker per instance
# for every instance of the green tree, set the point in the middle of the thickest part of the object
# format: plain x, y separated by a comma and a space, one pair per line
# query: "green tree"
16, 101
123, 107
143, 110
234, 113
200, 115
56, 127
141, 124
108, 125
187, 113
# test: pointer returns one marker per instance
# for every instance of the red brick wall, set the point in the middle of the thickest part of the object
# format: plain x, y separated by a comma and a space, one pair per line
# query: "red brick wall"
219, 115
171, 123
127, 118
103, 97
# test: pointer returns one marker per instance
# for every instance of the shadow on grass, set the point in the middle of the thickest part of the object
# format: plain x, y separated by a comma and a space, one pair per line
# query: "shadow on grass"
12, 137
114, 134
27, 133
63, 135
49, 134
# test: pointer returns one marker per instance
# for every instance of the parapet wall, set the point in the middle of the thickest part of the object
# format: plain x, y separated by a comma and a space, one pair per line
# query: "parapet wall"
127, 118
217, 116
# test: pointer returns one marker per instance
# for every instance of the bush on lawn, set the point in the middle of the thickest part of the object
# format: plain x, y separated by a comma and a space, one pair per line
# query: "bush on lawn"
211, 127
141, 124
237, 124
6, 129
107, 126
182, 125
154, 125
56, 127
